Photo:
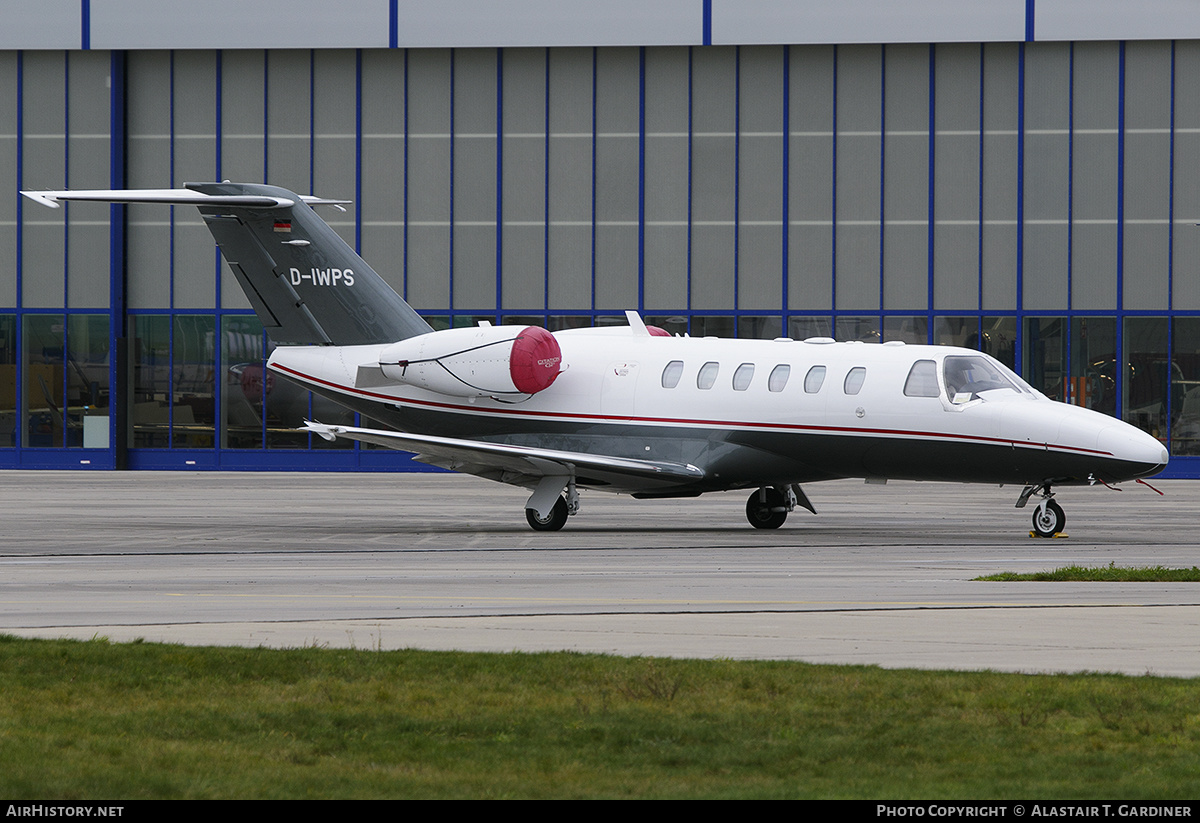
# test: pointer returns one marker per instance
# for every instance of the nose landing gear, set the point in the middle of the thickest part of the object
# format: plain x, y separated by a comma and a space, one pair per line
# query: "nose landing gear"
1048, 518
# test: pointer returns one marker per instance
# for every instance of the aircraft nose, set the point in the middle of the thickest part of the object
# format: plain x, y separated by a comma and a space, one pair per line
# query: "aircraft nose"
1132, 445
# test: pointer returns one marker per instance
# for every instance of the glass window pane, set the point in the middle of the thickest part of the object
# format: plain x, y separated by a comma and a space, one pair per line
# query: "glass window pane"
779, 377
707, 376
670, 375
1185, 386
151, 412
854, 380
44, 338
743, 376
922, 380
193, 391
1147, 375
814, 379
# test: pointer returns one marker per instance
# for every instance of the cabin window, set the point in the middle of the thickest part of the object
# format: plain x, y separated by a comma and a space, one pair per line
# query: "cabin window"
814, 379
779, 377
743, 376
707, 375
854, 380
671, 374
922, 380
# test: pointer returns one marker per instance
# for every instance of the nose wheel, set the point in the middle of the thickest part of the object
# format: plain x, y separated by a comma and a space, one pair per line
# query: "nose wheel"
1048, 519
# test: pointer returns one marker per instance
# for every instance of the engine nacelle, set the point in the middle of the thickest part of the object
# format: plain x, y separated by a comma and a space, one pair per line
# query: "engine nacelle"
476, 362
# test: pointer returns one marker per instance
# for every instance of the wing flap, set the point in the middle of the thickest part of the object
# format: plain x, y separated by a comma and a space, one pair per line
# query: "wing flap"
522, 465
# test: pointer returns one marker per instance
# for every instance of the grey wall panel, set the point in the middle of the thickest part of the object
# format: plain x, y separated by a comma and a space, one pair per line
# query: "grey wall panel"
289, 120
475, 184
44, 161
714, 177
1000, 177
906, 177
859, 176
524, 179
229, 24
867, 21
429, 175
570, 180
1185, 283
47, 24
1047, 177
243, 140
956, 195
1147, 184
760, 177
1095, 187
810, 177
196, 143
1115, 20
667, 149
334, 123
548, 22
383, 147
148, 165
8, 178
618, 95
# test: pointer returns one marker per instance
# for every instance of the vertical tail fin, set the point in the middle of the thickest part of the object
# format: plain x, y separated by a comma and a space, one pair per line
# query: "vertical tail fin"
305, 283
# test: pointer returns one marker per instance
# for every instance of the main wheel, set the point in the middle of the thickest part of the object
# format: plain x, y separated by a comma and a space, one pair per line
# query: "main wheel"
766, 514
555, 521
1050, 520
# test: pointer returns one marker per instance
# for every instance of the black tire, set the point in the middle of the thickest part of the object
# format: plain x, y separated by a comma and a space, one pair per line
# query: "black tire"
768, 514
1049, 522
556, 520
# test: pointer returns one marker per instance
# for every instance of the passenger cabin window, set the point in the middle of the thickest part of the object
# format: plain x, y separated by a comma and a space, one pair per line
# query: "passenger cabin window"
814, 379
743, 376
671, 374
779, 377
854, 380
922, 380
707, 375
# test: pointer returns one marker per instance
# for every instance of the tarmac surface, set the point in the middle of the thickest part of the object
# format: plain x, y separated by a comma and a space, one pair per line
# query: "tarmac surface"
883, 575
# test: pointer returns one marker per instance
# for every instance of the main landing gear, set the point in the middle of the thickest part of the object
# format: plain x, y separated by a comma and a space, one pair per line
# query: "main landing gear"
1048, 518
768, 507
560, 489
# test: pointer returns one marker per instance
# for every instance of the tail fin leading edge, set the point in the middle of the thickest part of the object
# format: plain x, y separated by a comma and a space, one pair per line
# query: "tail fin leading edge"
306, 284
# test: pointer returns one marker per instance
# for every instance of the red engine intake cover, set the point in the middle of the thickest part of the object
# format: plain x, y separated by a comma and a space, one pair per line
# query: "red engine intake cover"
535, 360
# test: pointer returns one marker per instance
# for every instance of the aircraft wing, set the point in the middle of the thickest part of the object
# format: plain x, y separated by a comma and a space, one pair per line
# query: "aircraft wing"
523, 465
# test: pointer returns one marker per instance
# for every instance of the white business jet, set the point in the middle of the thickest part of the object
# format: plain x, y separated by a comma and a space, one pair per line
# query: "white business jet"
630, 409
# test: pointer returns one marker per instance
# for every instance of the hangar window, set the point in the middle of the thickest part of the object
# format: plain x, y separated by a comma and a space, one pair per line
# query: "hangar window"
743, 376
922, 380
779, 377
707, 375
671, 374
814, 379
854, 380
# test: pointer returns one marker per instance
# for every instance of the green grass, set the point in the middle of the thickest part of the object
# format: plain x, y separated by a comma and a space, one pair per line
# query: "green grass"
1110, 573
94, 720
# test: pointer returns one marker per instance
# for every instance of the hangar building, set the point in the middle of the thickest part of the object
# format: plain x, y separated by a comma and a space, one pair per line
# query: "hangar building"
1021, 176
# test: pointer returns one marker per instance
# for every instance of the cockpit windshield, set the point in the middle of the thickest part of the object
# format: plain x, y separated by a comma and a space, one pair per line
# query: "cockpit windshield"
969, 376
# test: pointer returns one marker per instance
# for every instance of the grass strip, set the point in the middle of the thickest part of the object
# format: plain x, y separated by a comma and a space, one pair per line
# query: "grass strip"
1105, 574
94, 720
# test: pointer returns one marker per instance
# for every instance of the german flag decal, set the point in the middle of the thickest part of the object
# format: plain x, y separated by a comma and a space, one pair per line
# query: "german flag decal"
283, 226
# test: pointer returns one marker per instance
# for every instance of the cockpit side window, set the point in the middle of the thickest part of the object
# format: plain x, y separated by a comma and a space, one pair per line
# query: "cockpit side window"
922, 380
968, 375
